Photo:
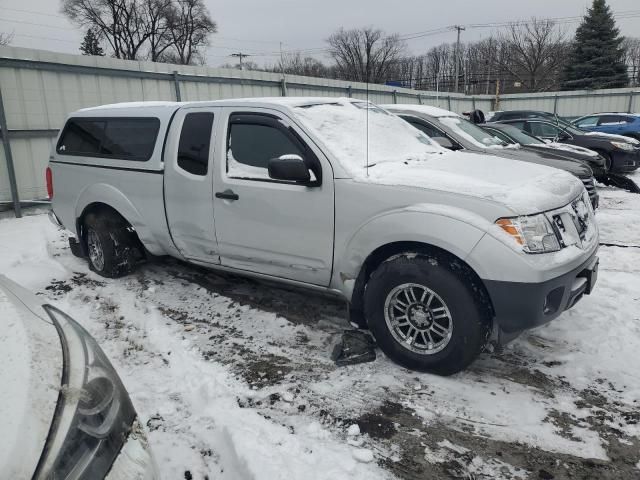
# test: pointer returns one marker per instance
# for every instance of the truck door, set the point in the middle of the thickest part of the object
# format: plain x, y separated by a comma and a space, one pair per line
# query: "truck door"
266, 226
188, 183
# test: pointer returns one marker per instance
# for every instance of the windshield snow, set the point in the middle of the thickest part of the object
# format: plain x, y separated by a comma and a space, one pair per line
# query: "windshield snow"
471, 132
359, 133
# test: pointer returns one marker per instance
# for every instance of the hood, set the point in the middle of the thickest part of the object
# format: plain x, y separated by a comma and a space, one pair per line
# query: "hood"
547, 158
31, 358
523, 187
611, 136
572, 152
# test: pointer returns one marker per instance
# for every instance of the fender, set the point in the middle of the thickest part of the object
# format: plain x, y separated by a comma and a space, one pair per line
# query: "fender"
452, 229
111, 196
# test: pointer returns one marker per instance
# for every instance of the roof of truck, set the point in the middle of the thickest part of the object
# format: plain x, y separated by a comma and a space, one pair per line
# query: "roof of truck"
284, 101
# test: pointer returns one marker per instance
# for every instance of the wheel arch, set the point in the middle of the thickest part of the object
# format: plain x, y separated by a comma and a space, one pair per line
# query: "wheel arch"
104, 197
391, 250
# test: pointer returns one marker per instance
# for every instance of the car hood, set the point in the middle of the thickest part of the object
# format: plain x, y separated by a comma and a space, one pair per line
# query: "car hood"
570, 151
611, 136
31, 359
523, 187
545, 157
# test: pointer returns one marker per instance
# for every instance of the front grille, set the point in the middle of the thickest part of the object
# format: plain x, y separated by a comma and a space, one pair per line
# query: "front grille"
574, 224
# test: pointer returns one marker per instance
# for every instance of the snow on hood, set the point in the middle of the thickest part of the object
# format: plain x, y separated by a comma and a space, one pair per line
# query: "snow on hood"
524, 187
613, 136
399, 154
569, 148
31, 359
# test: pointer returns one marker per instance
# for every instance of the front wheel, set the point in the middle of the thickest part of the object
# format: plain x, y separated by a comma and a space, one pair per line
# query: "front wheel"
424, 314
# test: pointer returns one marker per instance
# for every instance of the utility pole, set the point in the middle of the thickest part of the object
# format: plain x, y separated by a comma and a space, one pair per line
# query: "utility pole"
240, 55
284, 78
457, 55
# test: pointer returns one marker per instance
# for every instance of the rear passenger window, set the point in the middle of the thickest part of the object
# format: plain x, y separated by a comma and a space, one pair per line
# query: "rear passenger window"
117, 138
195, 140
130, 138
81, 137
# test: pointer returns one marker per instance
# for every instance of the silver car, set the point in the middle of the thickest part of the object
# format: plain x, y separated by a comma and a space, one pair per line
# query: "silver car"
64, 411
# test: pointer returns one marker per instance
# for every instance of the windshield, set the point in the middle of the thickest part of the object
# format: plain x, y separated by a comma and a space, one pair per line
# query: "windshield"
361, 134
519, 136
471, 132
569, 127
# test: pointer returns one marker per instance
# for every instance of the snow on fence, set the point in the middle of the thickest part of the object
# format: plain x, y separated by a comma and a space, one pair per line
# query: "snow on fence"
38, 89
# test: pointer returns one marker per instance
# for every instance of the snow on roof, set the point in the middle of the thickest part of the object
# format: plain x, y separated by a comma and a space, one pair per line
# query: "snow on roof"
149, 104
290, 102
426, 109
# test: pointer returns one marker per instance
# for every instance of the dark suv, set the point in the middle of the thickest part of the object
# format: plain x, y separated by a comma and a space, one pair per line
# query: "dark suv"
621, 154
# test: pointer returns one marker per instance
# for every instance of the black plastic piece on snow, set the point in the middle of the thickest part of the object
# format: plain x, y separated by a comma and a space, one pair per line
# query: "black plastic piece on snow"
355, 347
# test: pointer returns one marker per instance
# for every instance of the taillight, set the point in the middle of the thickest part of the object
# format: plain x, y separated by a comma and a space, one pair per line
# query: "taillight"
49, 177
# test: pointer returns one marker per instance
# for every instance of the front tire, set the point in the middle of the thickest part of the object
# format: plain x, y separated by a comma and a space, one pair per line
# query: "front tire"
112, 249
424, 314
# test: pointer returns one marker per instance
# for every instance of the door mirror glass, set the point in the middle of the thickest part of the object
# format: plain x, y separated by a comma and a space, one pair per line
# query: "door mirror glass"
444, 142
290, 168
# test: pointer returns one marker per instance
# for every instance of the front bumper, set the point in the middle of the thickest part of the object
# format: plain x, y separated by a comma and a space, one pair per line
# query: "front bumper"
521, 306
625, 162
134, 462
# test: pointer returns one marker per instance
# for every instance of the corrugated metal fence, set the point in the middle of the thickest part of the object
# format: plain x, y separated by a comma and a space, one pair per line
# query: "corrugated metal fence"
38, 89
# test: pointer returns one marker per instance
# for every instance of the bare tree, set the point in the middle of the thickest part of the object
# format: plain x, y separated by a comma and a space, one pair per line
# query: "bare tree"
5, 38
190, 26
534, 53
365, 54
157, 13
296, 64
119, 22
632, 59
161, 30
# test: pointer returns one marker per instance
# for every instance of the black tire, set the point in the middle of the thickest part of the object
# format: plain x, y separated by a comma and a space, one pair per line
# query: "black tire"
119, 246
452, 284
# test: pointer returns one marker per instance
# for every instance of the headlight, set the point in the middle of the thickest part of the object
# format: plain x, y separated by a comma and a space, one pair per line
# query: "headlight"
623, 146
94, 414
534, 233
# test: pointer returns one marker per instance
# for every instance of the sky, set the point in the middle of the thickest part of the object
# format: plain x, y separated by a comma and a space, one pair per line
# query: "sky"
257, 27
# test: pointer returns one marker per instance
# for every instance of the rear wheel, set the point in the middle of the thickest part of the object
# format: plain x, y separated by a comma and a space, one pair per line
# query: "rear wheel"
112, 248
424, 314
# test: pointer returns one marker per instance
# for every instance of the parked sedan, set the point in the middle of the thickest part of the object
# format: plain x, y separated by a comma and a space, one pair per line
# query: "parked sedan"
511, 135
519, 114
626, 124
64, 411
621, 154
454, 132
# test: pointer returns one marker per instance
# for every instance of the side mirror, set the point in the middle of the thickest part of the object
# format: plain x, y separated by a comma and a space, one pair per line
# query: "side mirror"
563, 136
443, 142
291, 168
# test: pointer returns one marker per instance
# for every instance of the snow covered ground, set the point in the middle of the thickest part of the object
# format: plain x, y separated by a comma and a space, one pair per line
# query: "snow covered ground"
233, 378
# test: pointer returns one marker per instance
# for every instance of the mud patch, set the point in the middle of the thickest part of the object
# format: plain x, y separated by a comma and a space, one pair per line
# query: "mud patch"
266, 371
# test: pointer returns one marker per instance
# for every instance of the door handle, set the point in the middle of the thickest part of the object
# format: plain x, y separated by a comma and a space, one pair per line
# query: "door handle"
227, 195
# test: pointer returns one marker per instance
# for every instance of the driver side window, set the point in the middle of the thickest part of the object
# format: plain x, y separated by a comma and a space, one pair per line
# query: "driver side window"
252, 141
544, 130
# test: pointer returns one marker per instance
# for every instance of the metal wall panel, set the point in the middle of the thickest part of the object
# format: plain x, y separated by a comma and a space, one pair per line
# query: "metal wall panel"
41, 88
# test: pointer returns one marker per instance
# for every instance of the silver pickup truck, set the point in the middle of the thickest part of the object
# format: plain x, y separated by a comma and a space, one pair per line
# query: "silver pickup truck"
437, 252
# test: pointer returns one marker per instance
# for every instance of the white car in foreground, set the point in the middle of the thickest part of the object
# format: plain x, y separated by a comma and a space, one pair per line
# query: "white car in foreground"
63, 409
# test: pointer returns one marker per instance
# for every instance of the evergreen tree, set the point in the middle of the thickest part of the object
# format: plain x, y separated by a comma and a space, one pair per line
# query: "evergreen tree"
597, 58
90, 45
